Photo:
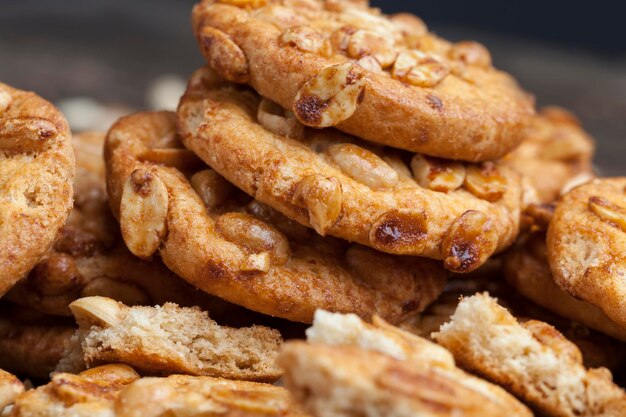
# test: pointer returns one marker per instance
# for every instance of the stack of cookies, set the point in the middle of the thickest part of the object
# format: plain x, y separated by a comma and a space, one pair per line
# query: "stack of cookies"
332, 167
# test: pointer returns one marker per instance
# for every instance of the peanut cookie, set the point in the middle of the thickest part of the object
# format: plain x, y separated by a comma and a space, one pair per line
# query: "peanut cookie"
586, 242
349, 330
533, 360
36, 173
90, 257
556, 150
225, 243
385, 79
333, 381
326, 180
10, 387
169, 339
117, 391
597, 349
526, 269
91, 393
32, 346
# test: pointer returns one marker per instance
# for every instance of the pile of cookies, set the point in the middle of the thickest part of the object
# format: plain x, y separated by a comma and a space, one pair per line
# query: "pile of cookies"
347, 216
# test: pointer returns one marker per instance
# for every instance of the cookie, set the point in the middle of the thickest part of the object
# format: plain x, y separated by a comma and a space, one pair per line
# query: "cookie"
118, 391
586, 242
385, 79
556, 152
329, 181
90, 258
533, 360
225, 243
526, 268
10, 388
345, 380
90, 393
597, 349
169, 339
32, 346
36, 173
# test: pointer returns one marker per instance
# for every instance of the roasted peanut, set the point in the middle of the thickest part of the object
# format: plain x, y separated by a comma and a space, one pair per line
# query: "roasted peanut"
409, 25
419, 69
471, 53
5, 101
257, 236
608, 211
470, 241
56, 275
485, 181
212, 188
257, 262
254, 4
367, 43
330, 97
371, 64
281, 17
363, 166
101, 311
400, 231
224, 55
255, 402
143, 212
437, 174
323, 198
26, 134
306, 39
274, 119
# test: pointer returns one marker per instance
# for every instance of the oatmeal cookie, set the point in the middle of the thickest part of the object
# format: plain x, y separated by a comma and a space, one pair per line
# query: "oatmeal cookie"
229, 245
385, 79
456, 212
36, 173
169, 339
533, 360
556, 152
586, 245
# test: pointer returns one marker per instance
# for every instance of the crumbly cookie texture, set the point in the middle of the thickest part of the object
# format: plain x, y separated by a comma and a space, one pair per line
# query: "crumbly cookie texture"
223, 242
555, 154
36, 174
339, 186
586, 241
118, 391
90, 258
346, 380
10, 388
526, 268
385, 79
170, 339
533, 360
32, 347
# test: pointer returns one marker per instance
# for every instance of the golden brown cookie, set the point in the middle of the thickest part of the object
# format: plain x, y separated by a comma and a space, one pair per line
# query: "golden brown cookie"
91, 393
225, 243
117, 391
555, 151
586, 245
31, 344
460, 213
183, 395
349, 381
533, 360
526, 269
10, 388
597, 349
385, 79
90, 258
169, 339
36, 173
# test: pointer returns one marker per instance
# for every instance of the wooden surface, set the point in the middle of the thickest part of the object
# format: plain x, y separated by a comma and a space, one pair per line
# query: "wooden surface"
114, 50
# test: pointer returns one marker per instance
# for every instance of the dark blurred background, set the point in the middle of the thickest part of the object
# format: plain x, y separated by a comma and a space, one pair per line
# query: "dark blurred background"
117, 55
